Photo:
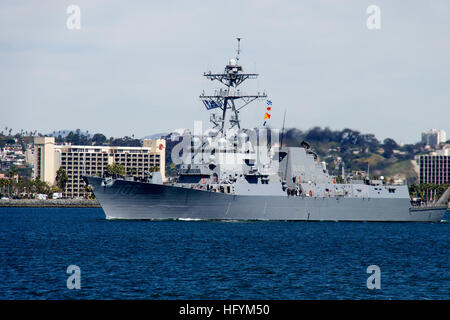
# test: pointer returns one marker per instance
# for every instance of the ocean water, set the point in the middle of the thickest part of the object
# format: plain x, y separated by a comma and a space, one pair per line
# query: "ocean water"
217, 260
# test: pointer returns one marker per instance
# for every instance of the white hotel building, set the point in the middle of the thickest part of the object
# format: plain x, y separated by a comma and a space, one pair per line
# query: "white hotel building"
93, 160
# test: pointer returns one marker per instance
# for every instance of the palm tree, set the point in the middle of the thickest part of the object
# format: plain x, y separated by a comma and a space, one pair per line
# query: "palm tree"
2, 185
61, 178
7, 183
116, 170
88, 192
154, 169
426, 191
41, 186
13, 171
132, 171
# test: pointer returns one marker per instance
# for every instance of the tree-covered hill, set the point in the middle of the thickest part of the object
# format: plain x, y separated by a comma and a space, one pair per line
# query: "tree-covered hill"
358, 151
350, 148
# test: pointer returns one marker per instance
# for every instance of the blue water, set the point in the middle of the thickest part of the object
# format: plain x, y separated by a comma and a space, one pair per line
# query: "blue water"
217, 260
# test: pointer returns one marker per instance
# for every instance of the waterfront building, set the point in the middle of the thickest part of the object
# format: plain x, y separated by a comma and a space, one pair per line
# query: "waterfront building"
45, 159
93, 160
434, 168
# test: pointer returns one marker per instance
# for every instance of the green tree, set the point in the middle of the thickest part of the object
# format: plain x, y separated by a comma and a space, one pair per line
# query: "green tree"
27, 187
171, 169
99, 139
154, 169
61, 178
13, 171
339, 179
41, 186
89, 194
116, 170
3, 184
132, 171
428, 191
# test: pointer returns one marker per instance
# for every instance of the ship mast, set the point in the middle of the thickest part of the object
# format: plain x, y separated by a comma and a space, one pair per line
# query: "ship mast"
229, 99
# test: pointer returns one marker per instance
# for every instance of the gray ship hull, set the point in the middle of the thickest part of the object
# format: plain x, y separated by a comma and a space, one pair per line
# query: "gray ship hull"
136, 200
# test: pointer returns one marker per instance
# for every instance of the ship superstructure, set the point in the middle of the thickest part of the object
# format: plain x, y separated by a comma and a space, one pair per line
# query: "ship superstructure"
228, 172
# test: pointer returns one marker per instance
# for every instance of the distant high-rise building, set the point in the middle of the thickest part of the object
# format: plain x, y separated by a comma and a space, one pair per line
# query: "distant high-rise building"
93, 160
443, 136
434, 137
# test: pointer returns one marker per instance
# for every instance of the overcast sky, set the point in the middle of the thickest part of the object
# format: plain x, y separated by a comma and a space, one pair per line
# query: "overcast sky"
135, 67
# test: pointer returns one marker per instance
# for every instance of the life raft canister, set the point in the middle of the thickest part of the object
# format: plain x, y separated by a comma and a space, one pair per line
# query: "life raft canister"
310, 193
203, 180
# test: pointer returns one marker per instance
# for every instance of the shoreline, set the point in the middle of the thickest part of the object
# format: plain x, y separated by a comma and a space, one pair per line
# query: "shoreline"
51, 203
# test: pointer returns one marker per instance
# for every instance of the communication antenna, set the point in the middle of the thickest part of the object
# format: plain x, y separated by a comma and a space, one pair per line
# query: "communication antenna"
238, 49
281, 145
282, 130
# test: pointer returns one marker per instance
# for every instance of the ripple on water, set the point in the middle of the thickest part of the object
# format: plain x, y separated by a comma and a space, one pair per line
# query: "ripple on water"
217, 260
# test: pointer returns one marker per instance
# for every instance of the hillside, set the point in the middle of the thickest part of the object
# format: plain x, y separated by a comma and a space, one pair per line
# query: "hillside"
357, 151
349, 148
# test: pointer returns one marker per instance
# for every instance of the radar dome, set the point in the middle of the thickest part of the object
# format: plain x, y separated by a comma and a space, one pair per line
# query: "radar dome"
232, 62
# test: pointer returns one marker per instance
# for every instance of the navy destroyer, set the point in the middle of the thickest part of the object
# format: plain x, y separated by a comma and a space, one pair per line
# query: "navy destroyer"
232, 173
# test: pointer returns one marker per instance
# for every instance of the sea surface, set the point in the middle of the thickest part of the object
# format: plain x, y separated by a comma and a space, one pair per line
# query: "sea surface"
217, 260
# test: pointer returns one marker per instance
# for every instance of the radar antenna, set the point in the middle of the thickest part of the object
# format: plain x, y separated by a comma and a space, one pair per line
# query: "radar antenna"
238, 49
230, 98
